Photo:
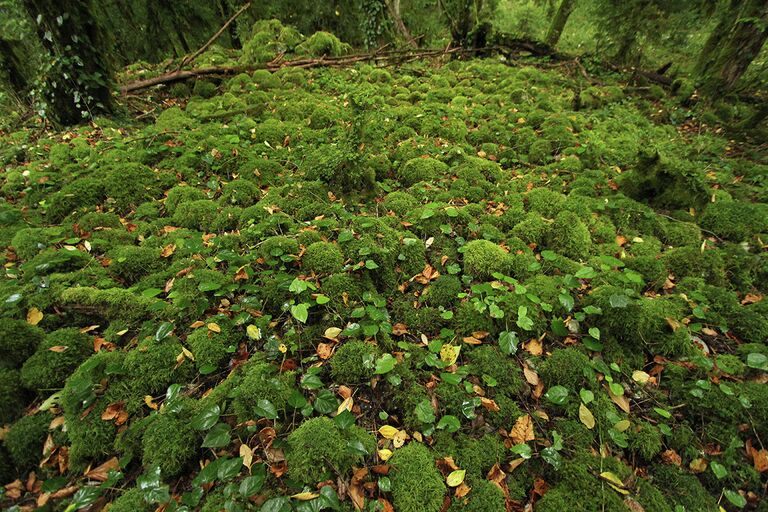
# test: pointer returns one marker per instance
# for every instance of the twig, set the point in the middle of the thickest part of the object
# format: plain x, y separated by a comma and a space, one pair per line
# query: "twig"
190, 58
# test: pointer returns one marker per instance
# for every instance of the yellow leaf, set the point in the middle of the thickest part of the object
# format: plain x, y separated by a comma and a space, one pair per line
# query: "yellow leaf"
455, 478
385, 454
213, 326
148, 400
346, 405
282, 348
34, 316
622, 401
622, 425
188, 353
399, 439
614, 481
332, 332
388, 432
586, 417
449, 354
253, 332
247, 454
640, 377
305, 496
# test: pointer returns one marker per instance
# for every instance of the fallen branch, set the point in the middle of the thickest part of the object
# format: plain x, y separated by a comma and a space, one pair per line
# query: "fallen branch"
188, 59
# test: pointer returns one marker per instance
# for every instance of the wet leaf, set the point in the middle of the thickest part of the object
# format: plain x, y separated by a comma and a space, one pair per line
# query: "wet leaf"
586, 417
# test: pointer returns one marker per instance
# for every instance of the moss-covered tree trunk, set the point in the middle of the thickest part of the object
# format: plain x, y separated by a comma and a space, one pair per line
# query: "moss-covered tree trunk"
78, 82
559, 21
733, 45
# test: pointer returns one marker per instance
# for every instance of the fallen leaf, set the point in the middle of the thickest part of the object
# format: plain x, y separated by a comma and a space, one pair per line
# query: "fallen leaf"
384, 454
456, 477
34, 316
490, 405
449, 353
523, 430
586, 417
168, 250
387, 431
530, 375
534, 347
399, 439
214, 327
59, 349
614, 482
640, 377
622, 401
760, 460
150, 403
324, 350
633, 505
247, 454
332, 333
305, 496
671, 457
101, 473
346, 405
698, 465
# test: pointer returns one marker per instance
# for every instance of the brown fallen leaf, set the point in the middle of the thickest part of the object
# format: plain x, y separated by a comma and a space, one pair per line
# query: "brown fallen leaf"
59, 348
671, 457
522, 431
621, 400
534, 347
101, 473
490, 405
168, 250
760, 460
324, 350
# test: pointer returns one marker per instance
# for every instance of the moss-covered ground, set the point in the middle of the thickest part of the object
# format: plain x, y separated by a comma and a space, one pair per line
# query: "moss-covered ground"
438, 286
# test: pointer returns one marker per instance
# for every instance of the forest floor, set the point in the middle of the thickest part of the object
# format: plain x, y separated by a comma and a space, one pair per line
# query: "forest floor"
417, 288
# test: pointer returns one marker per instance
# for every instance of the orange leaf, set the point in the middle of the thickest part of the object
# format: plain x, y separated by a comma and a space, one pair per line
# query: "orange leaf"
101, 473
168, 250
59, 349
523, 430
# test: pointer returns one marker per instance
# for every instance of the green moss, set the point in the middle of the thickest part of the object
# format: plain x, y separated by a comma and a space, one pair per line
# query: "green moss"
323, 258
131, 500
487, 360
421, 169
210, 348
182, 194
566, 367
442, 291
12, 395
691, 261
47, 368
25, 439
199, 214
130, 263
279, 249
678, 234
240, 193
322, 44
260, 382
730, 365
152, 365
113, 304
28, 242
645, 440
18, 341
319, 447
485, 496
545, 202
400, 202
483, 258
569, 236
353, 362
531, 230
735, 220
417, 485
478, 456
169, 442
683, 489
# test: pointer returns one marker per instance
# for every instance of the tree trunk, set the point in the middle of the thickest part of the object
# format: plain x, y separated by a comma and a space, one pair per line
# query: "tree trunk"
734, 49
559, 21
78, 83
393, 6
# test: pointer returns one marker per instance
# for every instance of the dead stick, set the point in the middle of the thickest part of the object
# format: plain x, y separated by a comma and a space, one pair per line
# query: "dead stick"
190, 58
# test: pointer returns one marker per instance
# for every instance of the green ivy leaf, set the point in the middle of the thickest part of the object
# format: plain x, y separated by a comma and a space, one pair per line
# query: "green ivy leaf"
371, 265
757, 361
508, 342
718, 469
254, 483
229, 468
449, 423
385, 364
206, 418
218, 436
165, 330
424, 412
266, 409
558, 395
300, 312
523, 450
736, 499
325, 402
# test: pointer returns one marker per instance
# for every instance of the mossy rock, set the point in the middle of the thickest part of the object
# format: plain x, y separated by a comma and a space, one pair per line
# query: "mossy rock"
18, 341
484, 496
131, 500
25, 439
56, 357
323, 258
483, 258
569, 236
170, 443
318, 447
421, 169
417, 485
12, 395
353, 362
735, 220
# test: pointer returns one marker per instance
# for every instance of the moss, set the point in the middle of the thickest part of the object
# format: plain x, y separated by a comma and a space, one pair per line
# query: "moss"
416, 483
485, 496
52, 261
18, 341
131, 500
645, 440
130, 263
7, 470
400, 202
182, 194
323, 258
28, 242
278, 249
12, 395
210, 348
113, 304
730, 365
322, 44
566, 367
665, 182
531, 230
56, 357
749, 324
260, 382
169, 442
342, 289
735, 220
690, 261
318, 447
25, 439
683, 489
339, 166
545, 202
152, 365
421, 169
353, 362
487, 360
478, 456
199, 214
483, 258
240, 193
75, 196
569, 236
682, 233
442, 292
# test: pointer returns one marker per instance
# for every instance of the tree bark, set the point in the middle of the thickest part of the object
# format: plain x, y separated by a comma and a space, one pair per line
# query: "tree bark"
78, 84
559, 21
393, 6
733, 50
